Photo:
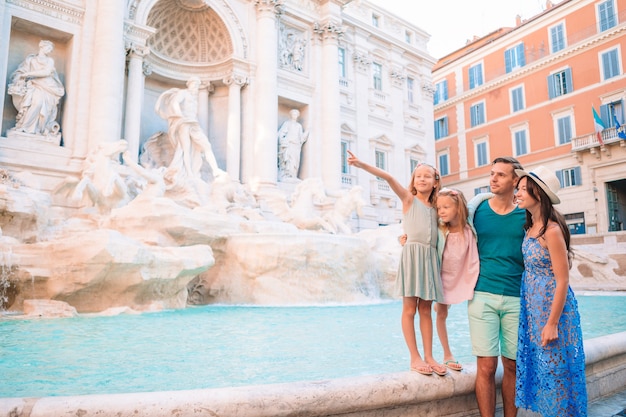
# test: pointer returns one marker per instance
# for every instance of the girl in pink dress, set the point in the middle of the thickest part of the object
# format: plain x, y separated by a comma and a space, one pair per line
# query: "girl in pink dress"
459, 262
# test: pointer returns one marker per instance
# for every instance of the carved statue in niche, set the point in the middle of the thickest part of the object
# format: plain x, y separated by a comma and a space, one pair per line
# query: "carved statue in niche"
36, 90
291, 49
190, 144
291, 137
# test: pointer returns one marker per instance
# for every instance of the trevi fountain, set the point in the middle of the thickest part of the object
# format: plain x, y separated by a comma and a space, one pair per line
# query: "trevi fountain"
142, 226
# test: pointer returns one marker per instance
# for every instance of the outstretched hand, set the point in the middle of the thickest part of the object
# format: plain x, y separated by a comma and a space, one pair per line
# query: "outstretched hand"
353, 160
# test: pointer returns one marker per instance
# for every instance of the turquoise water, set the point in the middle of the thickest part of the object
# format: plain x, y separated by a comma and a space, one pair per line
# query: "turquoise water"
225, 346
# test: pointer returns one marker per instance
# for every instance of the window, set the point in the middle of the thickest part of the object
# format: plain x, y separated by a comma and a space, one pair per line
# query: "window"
517, 99
410, 82
481, 154
477, 114
514, 58
375, 20
557, 38
610, 64
607, 111
342, 62
560, 83
414, 164
381, 160
569, 177
344, 158
475, 75
564, 129
483, 189
606, 14
377, 76
444, 166
441, 127
408, 37
441, 91
520, 142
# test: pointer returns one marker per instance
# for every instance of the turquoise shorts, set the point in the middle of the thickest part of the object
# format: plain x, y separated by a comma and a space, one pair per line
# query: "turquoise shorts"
493, 322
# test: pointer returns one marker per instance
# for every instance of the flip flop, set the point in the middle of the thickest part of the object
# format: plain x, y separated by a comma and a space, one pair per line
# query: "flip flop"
424, 369
439, 369
453, 365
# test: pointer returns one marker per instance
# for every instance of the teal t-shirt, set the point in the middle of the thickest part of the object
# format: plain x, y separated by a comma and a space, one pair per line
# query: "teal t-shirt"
500, 250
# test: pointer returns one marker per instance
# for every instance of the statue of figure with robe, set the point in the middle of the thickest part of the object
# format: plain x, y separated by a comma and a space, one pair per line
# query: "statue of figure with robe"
291, 137
36, 90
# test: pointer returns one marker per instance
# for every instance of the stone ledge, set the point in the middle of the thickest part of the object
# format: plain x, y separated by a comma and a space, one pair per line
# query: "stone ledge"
389, 395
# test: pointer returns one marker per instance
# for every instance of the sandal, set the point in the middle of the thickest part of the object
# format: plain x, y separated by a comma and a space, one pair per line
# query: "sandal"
453, 365
439, 369
422, 369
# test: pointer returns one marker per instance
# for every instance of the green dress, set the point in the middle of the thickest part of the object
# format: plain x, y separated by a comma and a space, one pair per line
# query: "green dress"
418, 272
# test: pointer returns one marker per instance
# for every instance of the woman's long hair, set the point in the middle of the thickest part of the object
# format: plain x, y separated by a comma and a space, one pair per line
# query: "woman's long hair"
548, 212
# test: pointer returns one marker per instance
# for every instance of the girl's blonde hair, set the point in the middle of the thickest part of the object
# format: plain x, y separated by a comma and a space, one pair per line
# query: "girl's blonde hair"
432, 198
461, 207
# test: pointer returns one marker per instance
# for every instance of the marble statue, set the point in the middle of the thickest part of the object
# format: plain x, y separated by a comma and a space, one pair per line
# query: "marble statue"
191, 145
291, 49
299, 210
101, 178
291, 137
36, 90
344, 206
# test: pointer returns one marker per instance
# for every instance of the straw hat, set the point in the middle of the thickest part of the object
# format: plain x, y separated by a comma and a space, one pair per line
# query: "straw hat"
544, 178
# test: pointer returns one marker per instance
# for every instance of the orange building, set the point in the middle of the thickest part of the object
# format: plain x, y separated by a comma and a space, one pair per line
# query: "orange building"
531, 92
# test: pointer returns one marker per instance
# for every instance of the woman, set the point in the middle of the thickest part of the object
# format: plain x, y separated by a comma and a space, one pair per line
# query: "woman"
36, 91
550, 355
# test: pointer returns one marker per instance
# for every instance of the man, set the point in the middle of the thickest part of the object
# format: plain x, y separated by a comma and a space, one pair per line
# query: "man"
494, 310
180, 108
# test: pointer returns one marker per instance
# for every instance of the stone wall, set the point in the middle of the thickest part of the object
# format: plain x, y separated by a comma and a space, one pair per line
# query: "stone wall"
599, 262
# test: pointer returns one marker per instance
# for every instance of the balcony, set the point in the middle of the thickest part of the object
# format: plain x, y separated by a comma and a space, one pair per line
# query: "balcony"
379, 189
590, 142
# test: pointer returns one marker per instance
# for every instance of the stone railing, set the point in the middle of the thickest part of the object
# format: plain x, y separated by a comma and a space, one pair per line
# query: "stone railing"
399, 394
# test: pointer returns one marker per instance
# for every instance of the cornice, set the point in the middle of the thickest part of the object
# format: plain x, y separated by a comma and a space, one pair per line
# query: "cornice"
50, 8
533, 67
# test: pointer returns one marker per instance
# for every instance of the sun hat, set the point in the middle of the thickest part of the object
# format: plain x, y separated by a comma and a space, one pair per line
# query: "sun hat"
545, 179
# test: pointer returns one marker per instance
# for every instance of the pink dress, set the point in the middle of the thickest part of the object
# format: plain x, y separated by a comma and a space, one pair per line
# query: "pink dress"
459, 266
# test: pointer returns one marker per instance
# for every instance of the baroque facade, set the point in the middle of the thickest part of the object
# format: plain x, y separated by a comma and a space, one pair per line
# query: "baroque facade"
531, 91
359, 77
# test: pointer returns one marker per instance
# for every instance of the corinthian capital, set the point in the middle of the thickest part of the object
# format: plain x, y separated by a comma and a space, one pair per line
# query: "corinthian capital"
330, 29
236, 79
269, 6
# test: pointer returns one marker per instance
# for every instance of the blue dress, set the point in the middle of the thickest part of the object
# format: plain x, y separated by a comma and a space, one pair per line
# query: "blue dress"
550, 379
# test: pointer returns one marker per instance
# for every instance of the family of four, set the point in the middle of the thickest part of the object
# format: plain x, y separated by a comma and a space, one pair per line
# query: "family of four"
507, 253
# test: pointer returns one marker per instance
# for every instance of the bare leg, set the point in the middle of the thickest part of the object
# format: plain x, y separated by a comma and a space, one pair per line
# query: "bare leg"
508, 387
409, 307
486, 385
426, 328
442, 332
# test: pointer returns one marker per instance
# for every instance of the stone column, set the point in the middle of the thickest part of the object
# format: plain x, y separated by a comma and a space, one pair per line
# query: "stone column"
136, 37
233, 132
134, 98
107, 75
203, 106
266, 100
331, 110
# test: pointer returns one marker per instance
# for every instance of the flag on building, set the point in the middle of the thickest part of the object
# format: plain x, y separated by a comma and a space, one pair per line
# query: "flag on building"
621, 130
599, 125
